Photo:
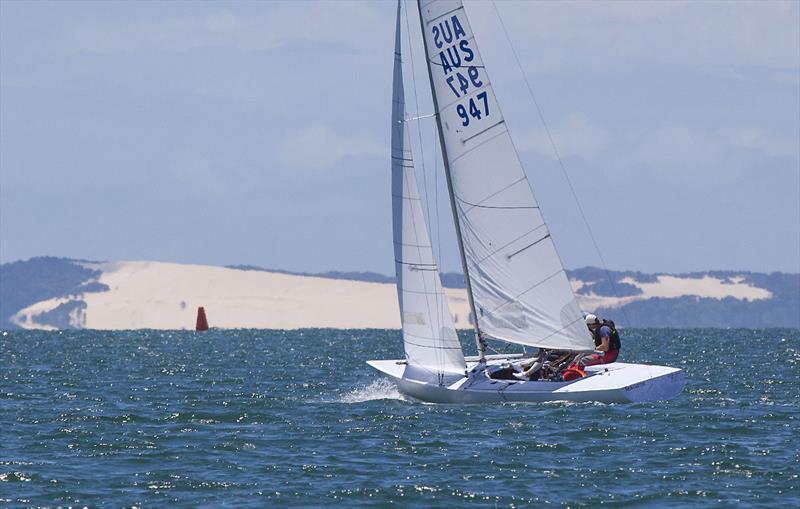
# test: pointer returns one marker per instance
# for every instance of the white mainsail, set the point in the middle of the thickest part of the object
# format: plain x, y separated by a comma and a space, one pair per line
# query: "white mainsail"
518, 283
432, 348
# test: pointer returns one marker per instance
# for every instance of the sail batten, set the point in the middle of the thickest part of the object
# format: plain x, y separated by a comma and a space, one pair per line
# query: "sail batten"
433, 351
515, 277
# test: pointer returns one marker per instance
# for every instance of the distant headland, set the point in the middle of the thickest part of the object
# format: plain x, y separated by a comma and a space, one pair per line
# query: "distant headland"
61, 293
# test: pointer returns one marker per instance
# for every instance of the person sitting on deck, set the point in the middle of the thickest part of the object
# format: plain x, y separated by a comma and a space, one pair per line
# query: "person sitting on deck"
606, 342
531, 365
545, 364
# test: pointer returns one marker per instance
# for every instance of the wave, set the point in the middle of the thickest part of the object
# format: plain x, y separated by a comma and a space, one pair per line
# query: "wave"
382, 388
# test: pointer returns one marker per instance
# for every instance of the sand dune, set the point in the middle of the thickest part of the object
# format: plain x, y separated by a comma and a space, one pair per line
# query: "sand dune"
166, 296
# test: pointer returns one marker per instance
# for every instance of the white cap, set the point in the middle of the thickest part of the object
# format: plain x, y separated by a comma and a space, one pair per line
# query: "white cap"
591, 319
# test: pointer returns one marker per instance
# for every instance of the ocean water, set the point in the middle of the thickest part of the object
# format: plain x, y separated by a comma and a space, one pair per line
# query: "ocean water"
257, 418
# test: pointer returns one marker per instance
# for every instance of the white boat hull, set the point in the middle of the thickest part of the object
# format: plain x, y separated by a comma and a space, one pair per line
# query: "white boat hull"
609, 383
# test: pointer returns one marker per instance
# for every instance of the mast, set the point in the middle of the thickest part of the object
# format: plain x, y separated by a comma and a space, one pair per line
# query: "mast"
479, 341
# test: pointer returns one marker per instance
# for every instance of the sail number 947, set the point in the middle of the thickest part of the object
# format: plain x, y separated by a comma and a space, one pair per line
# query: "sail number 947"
475, 109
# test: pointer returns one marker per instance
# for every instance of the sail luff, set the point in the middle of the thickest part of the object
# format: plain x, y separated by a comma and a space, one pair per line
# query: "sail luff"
433, 352
479, 342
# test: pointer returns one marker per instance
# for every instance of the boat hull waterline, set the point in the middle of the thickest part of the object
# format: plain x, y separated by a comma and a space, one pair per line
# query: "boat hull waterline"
618, 382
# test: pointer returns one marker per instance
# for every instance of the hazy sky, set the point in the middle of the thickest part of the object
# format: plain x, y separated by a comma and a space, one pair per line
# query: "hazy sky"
258, 133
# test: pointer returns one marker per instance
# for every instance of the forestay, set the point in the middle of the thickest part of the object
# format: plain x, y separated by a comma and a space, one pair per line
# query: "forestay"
521, 291
431, 344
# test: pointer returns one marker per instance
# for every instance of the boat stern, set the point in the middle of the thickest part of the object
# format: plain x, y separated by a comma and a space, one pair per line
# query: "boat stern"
662, 387
634, 382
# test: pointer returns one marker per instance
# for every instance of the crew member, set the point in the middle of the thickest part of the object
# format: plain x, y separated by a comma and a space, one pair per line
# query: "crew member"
606, 342
531, 366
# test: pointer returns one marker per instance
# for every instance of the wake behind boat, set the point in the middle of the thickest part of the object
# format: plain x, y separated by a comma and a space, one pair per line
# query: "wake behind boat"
516, 283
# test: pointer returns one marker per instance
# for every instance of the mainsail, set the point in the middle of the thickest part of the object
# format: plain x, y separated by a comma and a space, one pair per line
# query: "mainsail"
432, 348
518, 283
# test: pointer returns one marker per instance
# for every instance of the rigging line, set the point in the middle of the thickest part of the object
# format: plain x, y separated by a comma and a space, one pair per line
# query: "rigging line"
504, 188
505, 348
508, 207
429, 115
418, 345
419, 266
416, 106
406, 197
557, 154
420, 292
410, 245
439, 358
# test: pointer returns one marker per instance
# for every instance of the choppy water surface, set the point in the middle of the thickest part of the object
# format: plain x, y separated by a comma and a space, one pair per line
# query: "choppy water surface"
258, 418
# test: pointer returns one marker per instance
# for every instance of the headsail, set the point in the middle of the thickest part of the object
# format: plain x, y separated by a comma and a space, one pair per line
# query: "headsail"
431, 344
521, 291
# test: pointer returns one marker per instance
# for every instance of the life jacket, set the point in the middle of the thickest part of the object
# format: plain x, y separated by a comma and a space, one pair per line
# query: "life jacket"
614, 342
572, 373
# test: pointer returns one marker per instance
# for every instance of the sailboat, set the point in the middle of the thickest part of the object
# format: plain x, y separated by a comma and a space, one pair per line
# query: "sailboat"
516, 284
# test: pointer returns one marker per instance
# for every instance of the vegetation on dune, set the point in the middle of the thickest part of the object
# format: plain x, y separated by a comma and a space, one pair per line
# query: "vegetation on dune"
690, 311
27, 282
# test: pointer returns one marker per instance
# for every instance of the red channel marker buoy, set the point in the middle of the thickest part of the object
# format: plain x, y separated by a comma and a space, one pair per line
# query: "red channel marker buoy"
202, 323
